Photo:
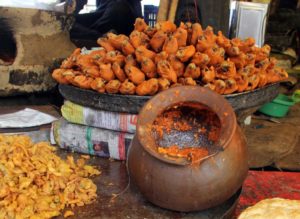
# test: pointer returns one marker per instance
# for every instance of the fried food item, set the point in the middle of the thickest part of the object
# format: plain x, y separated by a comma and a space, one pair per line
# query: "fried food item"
263, 79
148, 67
71, 61
248, 70
127, 87
208, 74
170, 46
140, 25
36, 183
129, 60
98, 84
226, 70
171, 54
253, 82
222, 41
200, 59
187, 81
69, 74
166, 26
192, 71
185, 53
242, 82
116, 40
163, 84
113, 86
142, 52
220, 86
177, 65
196, 33
149, 87
115, 56
150, 31
161, 56
181, 35
138, 38
127, 48
165, 70
239, 61
118, 71
135, 75
231, 86
92, 71
158, 40
103, 41
57, 74
210, 86
106, 72
216, 55
82, 81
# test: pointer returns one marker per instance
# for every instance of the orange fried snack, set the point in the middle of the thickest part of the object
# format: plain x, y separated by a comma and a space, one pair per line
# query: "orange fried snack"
242, 82
148, 67
187, 81
216, 55
181, 35
231, 86
209, 74
163, 84
226, 70
127, 87
98, 84
102, 41
165, 70
149, 87
185, 53
127, 48
106, 72
118, 71
137, 39
177, 65
220, 86
150, 31
71, 61
142, 52
192, 71
135, 75
140, 25
166, 26
116, 40
161, 56
115, 56
113, 86
158, 40
196, 33
82, 81
200, 59
170, 46
57, 74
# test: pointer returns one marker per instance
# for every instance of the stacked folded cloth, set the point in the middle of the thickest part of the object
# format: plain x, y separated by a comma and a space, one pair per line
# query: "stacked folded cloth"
95, 132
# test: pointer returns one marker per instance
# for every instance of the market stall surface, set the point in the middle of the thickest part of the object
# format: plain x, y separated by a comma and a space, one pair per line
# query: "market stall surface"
118, 198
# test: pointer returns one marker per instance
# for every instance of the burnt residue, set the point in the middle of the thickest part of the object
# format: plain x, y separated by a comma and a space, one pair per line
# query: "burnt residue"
8, 47
21, 77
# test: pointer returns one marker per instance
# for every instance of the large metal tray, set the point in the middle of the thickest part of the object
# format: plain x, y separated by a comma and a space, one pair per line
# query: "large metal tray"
132, 103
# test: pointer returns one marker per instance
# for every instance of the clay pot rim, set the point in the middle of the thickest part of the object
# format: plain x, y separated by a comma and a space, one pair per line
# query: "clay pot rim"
177, 95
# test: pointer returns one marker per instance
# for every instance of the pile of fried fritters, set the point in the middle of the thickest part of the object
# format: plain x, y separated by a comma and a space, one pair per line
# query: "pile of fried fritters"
152, 59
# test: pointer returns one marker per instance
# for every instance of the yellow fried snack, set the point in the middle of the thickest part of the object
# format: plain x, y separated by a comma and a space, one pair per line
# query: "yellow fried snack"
36, 183
112, 87
149, 87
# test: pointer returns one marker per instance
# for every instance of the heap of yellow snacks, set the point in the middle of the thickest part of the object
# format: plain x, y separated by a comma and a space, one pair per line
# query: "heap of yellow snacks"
36, 183
150, 60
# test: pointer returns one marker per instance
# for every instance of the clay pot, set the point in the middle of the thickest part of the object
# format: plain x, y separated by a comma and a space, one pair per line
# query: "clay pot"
174, 183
